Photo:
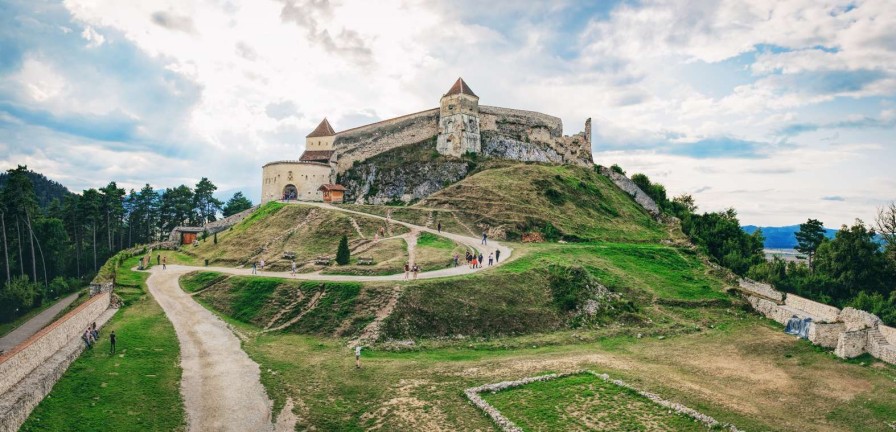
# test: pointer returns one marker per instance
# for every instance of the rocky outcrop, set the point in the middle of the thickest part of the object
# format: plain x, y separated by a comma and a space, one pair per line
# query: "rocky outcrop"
632, 189
405, 175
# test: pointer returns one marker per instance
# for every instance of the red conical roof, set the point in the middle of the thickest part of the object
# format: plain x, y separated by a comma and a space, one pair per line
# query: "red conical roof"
460, 87
322, 130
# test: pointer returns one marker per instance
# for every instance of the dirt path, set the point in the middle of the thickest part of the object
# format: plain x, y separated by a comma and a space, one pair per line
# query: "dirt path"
35, 324
221, 385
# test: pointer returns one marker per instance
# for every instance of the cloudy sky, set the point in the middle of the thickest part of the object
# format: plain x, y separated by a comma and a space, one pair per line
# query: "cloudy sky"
782, 110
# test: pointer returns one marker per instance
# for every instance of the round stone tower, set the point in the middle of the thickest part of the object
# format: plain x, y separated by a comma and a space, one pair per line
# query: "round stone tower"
459, 121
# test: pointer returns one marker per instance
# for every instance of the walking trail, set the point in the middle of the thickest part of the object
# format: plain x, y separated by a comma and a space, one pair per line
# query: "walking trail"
35, 324
221, 385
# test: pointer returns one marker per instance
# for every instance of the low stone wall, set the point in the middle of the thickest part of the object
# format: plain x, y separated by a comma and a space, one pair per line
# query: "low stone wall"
825, 334
632, 189
851, 343
889, 333
761, 289
819, 312
21, 360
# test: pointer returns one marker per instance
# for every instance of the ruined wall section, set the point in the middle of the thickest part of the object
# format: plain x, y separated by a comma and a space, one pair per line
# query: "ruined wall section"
370, 140
531, 136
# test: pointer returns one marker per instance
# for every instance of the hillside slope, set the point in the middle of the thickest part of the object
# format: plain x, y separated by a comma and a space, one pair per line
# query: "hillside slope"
560, 202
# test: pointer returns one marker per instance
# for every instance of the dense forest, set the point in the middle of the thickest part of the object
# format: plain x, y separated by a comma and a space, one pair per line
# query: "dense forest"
53, 241
851, 269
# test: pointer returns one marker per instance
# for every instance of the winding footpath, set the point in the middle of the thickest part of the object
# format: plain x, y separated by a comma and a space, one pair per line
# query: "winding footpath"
35, 324
221, 385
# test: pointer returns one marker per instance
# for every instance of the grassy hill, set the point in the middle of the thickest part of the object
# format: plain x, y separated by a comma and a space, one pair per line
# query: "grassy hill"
560, 202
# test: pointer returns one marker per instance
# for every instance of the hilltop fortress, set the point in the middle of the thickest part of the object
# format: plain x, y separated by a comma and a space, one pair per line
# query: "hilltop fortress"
459, 126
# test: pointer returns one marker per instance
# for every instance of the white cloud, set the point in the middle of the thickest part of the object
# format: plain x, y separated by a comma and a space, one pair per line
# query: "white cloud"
93, 38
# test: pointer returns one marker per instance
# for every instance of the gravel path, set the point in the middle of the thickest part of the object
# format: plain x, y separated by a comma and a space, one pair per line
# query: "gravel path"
221, 385
35, 324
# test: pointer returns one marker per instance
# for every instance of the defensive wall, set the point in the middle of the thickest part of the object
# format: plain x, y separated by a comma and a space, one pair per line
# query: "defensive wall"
506, 133
850, 332
366, 141
30, 370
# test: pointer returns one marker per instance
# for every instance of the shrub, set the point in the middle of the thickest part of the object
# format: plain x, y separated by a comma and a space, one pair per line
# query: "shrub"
16, 297
617, 168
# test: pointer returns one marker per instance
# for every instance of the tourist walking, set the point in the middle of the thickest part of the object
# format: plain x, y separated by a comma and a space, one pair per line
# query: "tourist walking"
440, 226
484, 238
497, 255
475, 262
293, 267
456, 259
481, 261
491, 258
112, 342
416, 270
261, 265
407, 268
358, 357
164, 262
254, 268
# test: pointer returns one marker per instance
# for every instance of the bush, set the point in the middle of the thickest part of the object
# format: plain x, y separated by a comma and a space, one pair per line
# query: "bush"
343, 255
17, 297
616, 168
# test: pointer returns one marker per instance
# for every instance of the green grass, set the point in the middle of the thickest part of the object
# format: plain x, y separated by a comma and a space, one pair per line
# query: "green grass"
137, 389
584, 402
437, 242
196, 281
559, 201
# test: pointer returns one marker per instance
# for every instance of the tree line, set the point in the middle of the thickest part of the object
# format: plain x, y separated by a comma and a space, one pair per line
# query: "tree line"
852, 269
56, 248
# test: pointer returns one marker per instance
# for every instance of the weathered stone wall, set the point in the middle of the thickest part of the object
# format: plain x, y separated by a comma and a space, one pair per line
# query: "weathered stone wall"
367, 141
633, 190
889, 333
825, 335
770, 309
761, 289
21, 360
818, 311
531, 136
851, 343
367, 183
858, 319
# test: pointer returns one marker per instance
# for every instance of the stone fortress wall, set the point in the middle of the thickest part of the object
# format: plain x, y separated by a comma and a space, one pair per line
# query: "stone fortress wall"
305, 176
30, 370
366, 141
850, 332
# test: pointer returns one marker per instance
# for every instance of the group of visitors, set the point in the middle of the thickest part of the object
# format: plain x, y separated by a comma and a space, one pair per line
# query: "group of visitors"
92, 334
475, 261
411, 269
256, 266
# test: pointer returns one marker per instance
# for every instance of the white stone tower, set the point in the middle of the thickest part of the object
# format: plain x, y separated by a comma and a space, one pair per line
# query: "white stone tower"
459, 121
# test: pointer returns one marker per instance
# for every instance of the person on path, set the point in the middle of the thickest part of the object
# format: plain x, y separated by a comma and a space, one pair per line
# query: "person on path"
293, 267
497, 255
456, 259
491, 259
358, 357
254, 268
158, 258
261, 265
484, 238
416, 270
475, 263
112, 342
480, 260
440, 226
469, 258
407, 268
164, 262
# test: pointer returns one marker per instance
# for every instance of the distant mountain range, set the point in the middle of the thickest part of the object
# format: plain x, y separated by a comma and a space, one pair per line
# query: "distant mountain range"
782, 237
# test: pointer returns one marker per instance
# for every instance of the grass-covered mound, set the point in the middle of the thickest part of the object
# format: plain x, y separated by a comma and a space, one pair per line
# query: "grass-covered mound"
320, 308
307, 231
560, 202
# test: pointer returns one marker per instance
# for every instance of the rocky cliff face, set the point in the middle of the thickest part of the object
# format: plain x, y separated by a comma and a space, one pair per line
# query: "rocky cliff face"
405, 174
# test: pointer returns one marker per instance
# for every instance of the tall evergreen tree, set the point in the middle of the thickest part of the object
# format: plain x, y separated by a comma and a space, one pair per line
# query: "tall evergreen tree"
205, 203
236, 204
808, 238
343, 255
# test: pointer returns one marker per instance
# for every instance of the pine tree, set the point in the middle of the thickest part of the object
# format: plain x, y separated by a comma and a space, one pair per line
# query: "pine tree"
808, 238
343, 255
